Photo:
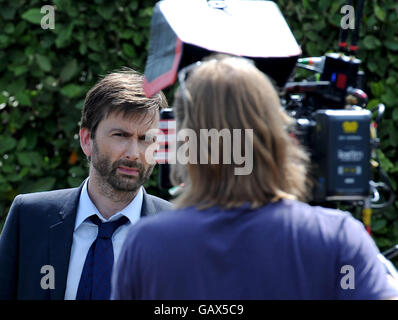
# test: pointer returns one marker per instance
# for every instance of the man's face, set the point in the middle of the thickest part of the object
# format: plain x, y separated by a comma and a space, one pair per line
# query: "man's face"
118, 151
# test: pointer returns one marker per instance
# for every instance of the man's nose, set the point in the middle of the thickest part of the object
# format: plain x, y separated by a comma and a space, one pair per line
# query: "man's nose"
132, 150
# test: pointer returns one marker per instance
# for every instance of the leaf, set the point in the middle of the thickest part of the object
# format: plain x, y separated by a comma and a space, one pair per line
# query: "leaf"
82, 48
8, 12
64, 34
392, 45
33, 15
313, 49
395, 114
128, 50
373, 103
393, 136
7, 143
378, 225
371, 22
23, 99
380, 13
106, 11
22, 144
383, 242
127, 34
395, 227
390, 98
24, 159
390, 214
69, 70
3, 99
72, 90
43, 62
20, 70
77, 172
14, 177
371, 42
74, 182
94, 45
138, 38
4, 188
17, 85
134, 5
79, 105
8, 168
4, 41
49, 83
95, 57
43, 184
385, 163
20, 28
9, 28
372, 66
377, 88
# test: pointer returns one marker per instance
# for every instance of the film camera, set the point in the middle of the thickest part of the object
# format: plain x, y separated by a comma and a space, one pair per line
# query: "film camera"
332, 121
335, 127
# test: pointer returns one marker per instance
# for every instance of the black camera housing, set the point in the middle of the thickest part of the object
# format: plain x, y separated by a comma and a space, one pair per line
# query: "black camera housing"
338, 142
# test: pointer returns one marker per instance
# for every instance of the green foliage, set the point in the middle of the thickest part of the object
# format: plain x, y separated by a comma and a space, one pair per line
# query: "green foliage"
46, 73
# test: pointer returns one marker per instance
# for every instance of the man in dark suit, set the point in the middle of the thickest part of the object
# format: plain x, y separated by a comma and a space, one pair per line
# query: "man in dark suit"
63, 244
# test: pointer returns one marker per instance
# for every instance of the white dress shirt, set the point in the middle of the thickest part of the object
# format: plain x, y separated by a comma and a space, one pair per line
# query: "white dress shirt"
85, 233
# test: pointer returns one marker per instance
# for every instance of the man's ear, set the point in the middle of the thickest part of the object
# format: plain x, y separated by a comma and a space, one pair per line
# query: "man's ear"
85, 141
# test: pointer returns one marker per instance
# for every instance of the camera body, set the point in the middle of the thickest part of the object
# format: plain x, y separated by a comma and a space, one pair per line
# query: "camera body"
338, 142
334, 127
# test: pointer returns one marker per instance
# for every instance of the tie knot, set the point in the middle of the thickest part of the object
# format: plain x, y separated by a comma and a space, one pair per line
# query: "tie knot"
106, 229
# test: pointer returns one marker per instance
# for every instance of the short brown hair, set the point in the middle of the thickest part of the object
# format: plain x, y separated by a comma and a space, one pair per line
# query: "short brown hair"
118, 92
230, 92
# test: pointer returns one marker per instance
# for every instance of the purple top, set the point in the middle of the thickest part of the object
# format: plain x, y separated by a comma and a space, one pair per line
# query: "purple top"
284, 250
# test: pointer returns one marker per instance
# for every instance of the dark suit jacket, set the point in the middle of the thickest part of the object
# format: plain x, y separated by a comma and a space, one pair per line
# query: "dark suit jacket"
38, 232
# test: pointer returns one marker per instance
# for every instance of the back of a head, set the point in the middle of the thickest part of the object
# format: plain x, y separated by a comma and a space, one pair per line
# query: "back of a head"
230, 93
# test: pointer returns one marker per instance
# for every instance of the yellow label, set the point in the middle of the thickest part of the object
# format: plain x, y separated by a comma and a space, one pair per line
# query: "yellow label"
366, 213
373, 133
350, 126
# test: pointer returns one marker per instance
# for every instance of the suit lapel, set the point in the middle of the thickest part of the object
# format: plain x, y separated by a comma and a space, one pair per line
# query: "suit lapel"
61, 238
148, 206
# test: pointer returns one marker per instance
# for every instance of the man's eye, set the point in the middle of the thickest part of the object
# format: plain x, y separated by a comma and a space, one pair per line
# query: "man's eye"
148, 138
118, 134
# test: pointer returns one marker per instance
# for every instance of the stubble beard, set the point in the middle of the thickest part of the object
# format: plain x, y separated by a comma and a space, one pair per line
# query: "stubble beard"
113, 184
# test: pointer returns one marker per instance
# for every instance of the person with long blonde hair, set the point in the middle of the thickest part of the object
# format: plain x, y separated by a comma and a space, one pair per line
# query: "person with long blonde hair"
244, 234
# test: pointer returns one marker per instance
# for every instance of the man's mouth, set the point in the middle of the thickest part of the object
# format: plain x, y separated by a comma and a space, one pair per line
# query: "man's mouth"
128, 170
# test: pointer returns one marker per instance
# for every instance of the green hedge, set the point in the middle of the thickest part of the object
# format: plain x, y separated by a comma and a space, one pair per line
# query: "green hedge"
46, 73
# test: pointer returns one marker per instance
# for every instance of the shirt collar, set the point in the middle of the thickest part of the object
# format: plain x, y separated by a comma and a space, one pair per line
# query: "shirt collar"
86, 208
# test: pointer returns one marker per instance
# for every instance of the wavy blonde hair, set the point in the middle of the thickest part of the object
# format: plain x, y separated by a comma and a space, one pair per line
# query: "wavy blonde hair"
227, 92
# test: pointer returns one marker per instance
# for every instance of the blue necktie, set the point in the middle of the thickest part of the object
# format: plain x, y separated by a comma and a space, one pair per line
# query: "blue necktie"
95, 281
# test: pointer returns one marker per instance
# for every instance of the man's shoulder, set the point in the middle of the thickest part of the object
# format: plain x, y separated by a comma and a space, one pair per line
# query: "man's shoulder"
168, 219
304, 210
159, 203
43, 203
312, 222
32, 209
45, 197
